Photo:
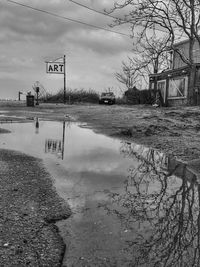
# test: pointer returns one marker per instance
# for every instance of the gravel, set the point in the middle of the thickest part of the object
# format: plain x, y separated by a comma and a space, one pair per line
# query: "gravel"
29, 206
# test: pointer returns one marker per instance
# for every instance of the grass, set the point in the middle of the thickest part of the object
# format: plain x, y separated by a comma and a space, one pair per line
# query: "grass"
74, 96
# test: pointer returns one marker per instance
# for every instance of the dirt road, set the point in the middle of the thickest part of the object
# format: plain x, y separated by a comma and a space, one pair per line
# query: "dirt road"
172, 130
175, 131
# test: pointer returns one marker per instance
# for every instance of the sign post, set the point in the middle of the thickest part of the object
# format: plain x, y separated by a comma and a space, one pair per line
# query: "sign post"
55, 67
37, 93
64, 96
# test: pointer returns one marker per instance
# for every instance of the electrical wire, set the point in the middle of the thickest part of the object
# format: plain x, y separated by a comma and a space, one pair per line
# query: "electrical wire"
66, 18
94, 10
108, 15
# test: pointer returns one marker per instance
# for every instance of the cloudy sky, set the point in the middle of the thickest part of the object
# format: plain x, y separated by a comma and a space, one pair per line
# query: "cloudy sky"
29, 37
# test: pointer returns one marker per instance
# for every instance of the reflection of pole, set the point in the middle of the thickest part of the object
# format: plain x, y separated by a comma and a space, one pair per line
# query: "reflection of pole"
37, 99
64, 96
37, 126
63, 140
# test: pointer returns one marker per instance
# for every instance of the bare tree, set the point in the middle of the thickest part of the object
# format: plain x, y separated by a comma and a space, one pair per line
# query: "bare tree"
152, 54
129, 76
161, 210
150, 57
173, 19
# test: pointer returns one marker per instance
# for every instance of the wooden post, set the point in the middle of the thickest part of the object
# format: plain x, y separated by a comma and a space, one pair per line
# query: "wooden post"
64, 96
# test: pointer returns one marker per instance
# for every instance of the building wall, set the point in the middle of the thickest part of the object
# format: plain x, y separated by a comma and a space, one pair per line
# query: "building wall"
184, 49
174, 86
177, 102
180, 70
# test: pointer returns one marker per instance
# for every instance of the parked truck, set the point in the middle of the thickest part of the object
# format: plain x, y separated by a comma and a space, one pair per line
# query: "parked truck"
107, 98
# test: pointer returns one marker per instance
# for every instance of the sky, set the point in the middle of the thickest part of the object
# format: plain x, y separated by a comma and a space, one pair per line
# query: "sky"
28, 38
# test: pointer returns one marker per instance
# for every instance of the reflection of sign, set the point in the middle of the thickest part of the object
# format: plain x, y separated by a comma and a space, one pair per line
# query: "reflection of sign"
54, 146
55, 67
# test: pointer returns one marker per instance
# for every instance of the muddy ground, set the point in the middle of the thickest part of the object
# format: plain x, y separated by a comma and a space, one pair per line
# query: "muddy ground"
175, 131
28, 236
29, 206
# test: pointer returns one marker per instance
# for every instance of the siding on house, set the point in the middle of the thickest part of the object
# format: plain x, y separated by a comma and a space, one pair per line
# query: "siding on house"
184, 49
180, 85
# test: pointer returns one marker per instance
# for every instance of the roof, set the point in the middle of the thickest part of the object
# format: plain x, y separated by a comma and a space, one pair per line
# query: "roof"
182, 42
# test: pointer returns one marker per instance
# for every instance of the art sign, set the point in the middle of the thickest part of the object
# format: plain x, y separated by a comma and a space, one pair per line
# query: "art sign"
55, 67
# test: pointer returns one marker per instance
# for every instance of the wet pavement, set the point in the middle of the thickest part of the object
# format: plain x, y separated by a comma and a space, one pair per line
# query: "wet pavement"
129, 209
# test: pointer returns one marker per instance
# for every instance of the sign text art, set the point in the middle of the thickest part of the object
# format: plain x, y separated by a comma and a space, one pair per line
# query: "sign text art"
55, 67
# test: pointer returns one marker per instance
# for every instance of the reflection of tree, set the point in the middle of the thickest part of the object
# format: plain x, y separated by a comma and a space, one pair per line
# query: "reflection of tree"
161, 210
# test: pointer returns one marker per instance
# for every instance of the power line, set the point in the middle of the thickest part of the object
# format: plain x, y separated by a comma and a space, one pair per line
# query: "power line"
108, 15
94, 10
103, 13
66, 18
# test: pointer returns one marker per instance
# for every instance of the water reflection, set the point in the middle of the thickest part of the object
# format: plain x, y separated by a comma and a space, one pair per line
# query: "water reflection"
159, 211
37, 125
53, 146
162, 211
57, 147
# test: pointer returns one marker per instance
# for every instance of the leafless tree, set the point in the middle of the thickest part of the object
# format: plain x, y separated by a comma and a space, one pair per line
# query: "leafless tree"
152, 54
150, 57
165, 207
172, 19
129, 76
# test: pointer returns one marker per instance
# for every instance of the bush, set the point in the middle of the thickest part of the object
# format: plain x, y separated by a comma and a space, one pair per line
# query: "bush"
149, 96
145, 97
75, 96
120, 101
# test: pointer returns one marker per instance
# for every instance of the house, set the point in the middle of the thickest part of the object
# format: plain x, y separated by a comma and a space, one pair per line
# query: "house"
180, 84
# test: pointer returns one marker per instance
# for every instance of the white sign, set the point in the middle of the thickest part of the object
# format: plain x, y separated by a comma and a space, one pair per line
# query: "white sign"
55, 67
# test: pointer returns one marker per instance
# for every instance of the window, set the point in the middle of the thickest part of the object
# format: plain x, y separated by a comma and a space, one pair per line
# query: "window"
178, 87
152, 85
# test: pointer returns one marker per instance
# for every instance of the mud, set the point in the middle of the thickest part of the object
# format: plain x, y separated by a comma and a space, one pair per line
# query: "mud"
174, 131
29, 205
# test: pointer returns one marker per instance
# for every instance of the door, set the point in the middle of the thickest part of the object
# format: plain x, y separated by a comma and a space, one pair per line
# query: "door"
161, 86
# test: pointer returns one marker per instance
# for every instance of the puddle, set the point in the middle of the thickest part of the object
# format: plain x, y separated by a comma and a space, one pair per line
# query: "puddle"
129, 209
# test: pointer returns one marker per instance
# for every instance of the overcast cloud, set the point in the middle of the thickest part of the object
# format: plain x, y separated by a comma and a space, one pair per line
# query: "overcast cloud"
28, 38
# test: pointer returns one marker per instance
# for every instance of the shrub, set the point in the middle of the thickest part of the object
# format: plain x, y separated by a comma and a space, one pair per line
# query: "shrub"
120, 101
149, 96
145, 97
75, 96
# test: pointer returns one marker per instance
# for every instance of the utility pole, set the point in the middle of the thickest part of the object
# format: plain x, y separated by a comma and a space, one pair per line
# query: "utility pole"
37, 92
64, 96
19, 94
